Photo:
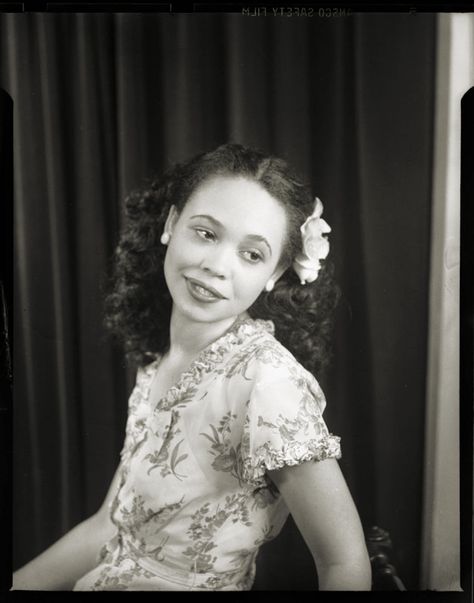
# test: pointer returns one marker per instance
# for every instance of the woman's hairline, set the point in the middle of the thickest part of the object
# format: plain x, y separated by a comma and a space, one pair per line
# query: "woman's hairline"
227, 174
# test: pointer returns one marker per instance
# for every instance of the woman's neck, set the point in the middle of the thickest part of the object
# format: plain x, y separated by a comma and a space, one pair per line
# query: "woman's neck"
188, 338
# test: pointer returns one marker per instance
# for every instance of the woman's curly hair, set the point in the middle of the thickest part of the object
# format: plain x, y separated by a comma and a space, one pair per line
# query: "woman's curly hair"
138, 307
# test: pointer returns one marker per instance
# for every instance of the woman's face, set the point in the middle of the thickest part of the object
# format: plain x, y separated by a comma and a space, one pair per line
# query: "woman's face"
224, 247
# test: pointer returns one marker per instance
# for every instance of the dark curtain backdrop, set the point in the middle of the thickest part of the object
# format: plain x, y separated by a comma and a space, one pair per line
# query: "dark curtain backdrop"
103, 101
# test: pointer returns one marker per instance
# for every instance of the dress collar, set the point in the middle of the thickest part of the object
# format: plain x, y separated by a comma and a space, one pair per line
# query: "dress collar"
206, 360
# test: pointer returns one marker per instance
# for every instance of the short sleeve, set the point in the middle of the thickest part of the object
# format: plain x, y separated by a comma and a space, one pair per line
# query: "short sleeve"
284, 423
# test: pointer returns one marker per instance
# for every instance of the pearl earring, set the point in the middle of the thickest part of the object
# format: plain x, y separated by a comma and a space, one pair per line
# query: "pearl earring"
165, 238
270, 284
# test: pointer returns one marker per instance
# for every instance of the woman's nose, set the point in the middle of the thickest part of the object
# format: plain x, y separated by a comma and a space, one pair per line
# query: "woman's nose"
217, 262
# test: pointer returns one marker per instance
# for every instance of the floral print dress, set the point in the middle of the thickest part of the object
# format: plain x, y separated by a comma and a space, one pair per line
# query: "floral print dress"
195, 503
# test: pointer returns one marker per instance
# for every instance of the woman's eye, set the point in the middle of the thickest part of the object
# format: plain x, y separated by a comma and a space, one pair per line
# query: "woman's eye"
252, 256
205, 234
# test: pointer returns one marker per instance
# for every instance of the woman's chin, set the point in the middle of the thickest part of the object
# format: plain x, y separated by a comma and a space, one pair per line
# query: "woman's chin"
196, 312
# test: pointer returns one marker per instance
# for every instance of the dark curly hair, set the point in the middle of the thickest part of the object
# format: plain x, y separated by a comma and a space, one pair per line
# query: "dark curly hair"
138, 307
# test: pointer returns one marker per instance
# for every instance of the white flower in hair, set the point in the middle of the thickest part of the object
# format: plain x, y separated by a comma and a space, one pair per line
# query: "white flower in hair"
315, 246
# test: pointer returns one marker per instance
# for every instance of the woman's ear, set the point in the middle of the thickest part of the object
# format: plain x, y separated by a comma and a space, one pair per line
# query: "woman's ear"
171, 220
273, 279
279, 271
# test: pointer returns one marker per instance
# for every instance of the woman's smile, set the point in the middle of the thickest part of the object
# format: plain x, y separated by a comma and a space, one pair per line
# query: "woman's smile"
202, 292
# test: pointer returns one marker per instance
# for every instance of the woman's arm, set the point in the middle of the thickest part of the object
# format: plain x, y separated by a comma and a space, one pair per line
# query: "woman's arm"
321, 505
68, 559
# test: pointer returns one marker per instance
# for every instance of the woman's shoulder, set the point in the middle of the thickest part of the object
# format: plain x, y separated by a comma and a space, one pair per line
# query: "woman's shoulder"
268, 360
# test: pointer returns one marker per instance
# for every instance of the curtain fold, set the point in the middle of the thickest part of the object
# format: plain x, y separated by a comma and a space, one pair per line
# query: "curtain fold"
395, 233
104, 101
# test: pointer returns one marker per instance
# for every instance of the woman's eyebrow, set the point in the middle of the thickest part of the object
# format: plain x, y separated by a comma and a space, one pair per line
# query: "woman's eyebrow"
255, 237
261, 239
210, 218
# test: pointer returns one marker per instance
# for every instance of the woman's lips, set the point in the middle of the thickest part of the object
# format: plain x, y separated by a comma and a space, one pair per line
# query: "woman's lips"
203, 292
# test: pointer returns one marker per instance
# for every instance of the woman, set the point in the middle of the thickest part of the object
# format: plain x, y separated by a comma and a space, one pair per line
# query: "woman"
221, 299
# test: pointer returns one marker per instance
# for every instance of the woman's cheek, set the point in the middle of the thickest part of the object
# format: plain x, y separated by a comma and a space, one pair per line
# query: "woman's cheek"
184, 252
250, 285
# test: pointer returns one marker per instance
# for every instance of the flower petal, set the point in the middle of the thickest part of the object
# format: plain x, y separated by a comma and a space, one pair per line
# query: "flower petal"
324, 226
316, 249
315, 246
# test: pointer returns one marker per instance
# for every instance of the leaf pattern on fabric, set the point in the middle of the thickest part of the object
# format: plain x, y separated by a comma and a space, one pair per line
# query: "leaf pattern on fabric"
263, 351
167, 458
140, 549
138, 517
206, 524
226, 456
181, 397
130, 572
160, 458
195, 501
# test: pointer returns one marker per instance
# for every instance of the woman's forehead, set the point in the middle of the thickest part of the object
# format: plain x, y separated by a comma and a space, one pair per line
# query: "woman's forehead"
238, 203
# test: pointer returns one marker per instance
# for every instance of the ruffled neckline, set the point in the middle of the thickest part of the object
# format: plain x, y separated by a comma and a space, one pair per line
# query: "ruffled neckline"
206, 360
